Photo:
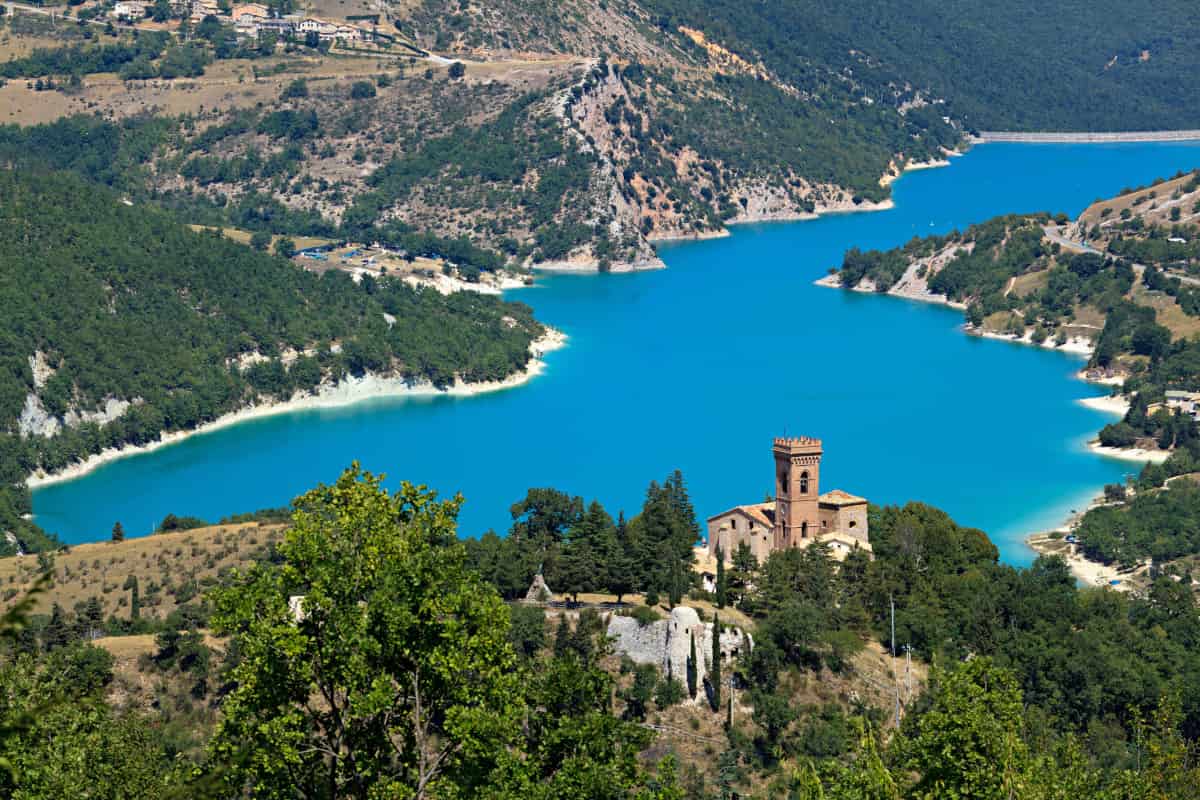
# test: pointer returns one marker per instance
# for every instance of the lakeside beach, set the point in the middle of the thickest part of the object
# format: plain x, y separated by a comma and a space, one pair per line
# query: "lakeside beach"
346, 392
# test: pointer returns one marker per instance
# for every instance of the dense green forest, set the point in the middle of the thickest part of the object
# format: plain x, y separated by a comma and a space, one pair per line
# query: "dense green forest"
1039, 689
999, 66
114, 301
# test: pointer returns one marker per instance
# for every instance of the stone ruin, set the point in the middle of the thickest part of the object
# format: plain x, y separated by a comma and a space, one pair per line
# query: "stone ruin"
538, 592
667, 643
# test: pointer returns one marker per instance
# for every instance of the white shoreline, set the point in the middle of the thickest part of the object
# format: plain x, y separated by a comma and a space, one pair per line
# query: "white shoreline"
1116, 405
1078, 345
345, 393
1138, 454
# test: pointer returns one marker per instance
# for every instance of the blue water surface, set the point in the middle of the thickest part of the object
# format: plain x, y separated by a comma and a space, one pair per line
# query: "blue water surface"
697, 367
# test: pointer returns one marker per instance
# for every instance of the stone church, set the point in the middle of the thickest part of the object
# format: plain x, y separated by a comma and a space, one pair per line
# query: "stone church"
799, 515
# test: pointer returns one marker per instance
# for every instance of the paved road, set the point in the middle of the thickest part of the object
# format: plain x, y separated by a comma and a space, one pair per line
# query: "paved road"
1052, 233
1085, 136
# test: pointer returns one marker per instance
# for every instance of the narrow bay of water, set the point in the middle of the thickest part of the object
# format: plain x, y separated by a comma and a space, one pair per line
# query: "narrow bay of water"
697, 367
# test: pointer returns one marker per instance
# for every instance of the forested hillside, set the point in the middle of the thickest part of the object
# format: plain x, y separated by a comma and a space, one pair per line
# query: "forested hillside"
1037, 689
1020, 65
122, 324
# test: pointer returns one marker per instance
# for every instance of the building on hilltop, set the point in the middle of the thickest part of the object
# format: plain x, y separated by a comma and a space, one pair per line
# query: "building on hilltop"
799, 515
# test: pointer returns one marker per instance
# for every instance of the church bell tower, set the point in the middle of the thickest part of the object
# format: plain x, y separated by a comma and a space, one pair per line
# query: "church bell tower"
797, 486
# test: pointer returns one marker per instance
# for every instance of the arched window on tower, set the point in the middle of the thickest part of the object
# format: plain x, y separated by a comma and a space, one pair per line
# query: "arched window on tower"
803, 483
783, 482
803, 530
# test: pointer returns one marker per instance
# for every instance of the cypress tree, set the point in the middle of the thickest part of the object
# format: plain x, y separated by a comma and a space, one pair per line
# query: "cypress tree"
722, 582
691, 667
135, 599
715, 672
118, 532
675, 595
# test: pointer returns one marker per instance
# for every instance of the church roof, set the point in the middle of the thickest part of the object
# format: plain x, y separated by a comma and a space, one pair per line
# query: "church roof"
839, 498
762, 513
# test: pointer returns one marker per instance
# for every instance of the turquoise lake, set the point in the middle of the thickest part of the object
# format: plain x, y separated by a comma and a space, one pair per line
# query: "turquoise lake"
697, 367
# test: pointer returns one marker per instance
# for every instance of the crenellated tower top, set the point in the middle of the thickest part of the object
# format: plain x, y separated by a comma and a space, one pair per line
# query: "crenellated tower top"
797, 443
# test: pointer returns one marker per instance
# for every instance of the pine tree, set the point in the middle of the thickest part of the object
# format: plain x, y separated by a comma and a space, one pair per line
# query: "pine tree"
620, 567
691, 668
562, 638
579, 565
118, 532
715, 672
676, 587
57, 633
722, 585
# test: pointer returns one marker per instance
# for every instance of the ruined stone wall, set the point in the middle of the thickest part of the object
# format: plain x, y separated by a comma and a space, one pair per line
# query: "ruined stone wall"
667, 643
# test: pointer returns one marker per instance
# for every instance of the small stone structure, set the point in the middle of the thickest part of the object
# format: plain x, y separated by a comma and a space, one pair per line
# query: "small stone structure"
538, 592
667, 643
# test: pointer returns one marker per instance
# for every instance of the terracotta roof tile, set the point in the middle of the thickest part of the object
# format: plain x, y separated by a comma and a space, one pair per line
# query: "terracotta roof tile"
839, 498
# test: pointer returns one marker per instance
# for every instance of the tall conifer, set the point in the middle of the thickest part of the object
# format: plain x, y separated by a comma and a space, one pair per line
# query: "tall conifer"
722, 581
715, 672
691, 668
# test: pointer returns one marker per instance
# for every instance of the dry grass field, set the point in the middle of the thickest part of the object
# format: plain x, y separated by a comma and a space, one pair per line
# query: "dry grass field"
1029, 283
1167, 312
169, 568
236, 83
1154, 204
239, 235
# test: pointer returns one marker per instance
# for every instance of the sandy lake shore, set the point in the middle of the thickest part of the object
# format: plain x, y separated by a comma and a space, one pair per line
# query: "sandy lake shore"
344, 393
1086, 571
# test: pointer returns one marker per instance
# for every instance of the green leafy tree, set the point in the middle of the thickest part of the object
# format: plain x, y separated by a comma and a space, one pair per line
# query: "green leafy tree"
527, 631
260, 240
968, 743
284, 247
641, 691
772, 714
362, 90
389, 625
118, 532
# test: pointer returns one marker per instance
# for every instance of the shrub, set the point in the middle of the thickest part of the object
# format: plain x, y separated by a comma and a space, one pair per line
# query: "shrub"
644, 615
669, 692
362, 90
295, 89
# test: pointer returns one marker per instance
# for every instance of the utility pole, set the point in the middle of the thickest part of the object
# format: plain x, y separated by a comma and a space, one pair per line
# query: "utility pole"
907, 674
895, 677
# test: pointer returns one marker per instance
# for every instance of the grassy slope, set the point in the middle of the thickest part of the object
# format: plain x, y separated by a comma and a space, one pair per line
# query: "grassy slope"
100, 569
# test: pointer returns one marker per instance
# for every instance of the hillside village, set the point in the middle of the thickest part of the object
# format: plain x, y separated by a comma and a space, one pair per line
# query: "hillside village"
252, 20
